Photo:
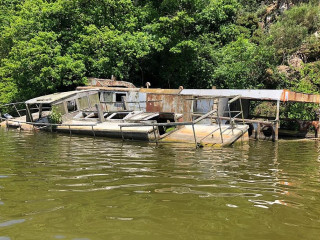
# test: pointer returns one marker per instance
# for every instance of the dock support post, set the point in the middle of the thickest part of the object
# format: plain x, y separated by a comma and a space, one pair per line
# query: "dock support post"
258, 131
219, 122
40, 111
317, 134
230, 116
29, 115
241, 109
121, 133
100, 113
155, 135
194, 135
94, 134
276, 130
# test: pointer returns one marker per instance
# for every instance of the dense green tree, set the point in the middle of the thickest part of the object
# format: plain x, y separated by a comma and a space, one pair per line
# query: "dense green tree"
54, 45
242, 64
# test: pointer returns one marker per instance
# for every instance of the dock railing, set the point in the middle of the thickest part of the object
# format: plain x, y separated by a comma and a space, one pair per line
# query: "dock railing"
238, 117
124, 103
51, 125
232, 119
18, 109
14, 106
157, 125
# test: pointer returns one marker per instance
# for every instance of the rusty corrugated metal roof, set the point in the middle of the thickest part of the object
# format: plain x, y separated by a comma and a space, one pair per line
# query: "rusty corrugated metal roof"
283, 95
244, 93
289, 96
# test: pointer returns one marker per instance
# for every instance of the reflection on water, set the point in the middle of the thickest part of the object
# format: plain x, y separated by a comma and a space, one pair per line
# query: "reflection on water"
59, 187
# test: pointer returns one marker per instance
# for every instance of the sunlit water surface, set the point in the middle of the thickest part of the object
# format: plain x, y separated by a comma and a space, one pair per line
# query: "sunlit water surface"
60, 187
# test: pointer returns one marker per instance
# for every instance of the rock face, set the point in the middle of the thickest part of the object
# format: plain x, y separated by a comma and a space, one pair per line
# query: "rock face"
286, 4
276, 8
295, 62
284, 70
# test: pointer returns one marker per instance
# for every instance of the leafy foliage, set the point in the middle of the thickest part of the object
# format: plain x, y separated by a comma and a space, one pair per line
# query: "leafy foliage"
54, 45
242, 64
55, 116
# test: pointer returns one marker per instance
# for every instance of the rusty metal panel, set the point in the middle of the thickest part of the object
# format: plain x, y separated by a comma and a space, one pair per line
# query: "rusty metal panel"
154, 102
299, 97
160, 91
136, 101
170, 103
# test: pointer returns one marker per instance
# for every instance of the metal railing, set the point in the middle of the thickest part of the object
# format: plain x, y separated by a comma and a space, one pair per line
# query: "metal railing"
232, 120
124, 103
18, 111
51, 125
14, 105
157, 125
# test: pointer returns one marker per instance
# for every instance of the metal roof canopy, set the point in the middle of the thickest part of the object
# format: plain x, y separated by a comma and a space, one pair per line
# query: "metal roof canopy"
283, 95
55, 97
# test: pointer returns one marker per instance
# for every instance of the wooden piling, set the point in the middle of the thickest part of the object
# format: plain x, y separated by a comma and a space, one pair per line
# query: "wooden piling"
276, 130
100, 113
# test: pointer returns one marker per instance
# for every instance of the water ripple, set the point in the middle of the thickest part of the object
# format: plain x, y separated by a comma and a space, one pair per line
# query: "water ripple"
78, 184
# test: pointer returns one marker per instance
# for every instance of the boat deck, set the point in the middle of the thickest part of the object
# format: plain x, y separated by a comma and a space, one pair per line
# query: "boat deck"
208, 135
107, 129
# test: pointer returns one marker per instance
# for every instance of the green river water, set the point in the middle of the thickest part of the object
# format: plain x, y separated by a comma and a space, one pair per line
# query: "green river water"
55, 186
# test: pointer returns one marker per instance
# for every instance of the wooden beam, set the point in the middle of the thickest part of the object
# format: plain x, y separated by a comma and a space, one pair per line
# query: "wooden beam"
40, 110
100, 113
124, 102
29, 117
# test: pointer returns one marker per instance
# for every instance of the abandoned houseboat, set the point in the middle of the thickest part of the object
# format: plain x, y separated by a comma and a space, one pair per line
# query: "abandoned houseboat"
204, 117
125, 113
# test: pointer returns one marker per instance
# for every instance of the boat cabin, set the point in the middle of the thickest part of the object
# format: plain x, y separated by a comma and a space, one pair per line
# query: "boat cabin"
66, 104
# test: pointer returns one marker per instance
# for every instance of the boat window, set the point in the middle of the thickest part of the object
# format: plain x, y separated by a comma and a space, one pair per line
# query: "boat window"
72, 106
119, 96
